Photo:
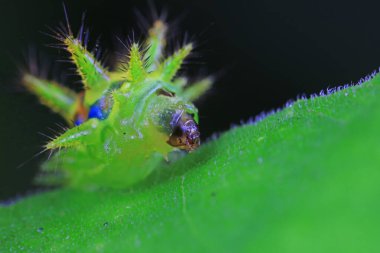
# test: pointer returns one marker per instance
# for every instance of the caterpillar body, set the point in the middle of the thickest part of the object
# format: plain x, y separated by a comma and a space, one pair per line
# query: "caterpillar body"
127, 120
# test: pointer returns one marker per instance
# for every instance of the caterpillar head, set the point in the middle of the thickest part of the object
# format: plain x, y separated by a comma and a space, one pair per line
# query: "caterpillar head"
185, 133
177, 118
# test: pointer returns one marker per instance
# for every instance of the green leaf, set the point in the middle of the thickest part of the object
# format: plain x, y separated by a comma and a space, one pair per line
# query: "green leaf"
305, 179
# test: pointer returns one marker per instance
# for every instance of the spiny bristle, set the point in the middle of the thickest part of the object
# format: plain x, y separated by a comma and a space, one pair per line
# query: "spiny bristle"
155, 45
136, 71
171, 65
57, 97
197, 89
72, 137
94, 77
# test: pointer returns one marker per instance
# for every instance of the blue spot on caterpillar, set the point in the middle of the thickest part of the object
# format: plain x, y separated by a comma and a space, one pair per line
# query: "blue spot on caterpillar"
100, 109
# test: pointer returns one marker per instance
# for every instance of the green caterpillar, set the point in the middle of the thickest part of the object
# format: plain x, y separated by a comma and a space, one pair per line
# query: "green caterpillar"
126, 121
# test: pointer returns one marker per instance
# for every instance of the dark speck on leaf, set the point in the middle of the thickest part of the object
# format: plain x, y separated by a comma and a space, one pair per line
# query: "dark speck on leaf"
40, 229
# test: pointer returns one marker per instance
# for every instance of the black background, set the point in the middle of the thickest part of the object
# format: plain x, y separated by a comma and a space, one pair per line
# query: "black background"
262, 53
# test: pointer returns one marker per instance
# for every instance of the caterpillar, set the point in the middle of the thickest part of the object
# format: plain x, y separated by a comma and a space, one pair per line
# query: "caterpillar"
127, 119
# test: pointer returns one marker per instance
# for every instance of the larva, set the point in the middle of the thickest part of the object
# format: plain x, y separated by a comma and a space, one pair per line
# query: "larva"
126, 120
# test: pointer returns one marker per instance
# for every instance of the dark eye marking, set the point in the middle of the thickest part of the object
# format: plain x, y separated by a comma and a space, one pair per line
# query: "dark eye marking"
185, 134
164, 93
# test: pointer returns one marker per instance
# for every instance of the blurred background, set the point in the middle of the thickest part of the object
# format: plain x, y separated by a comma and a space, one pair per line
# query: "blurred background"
262, 53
